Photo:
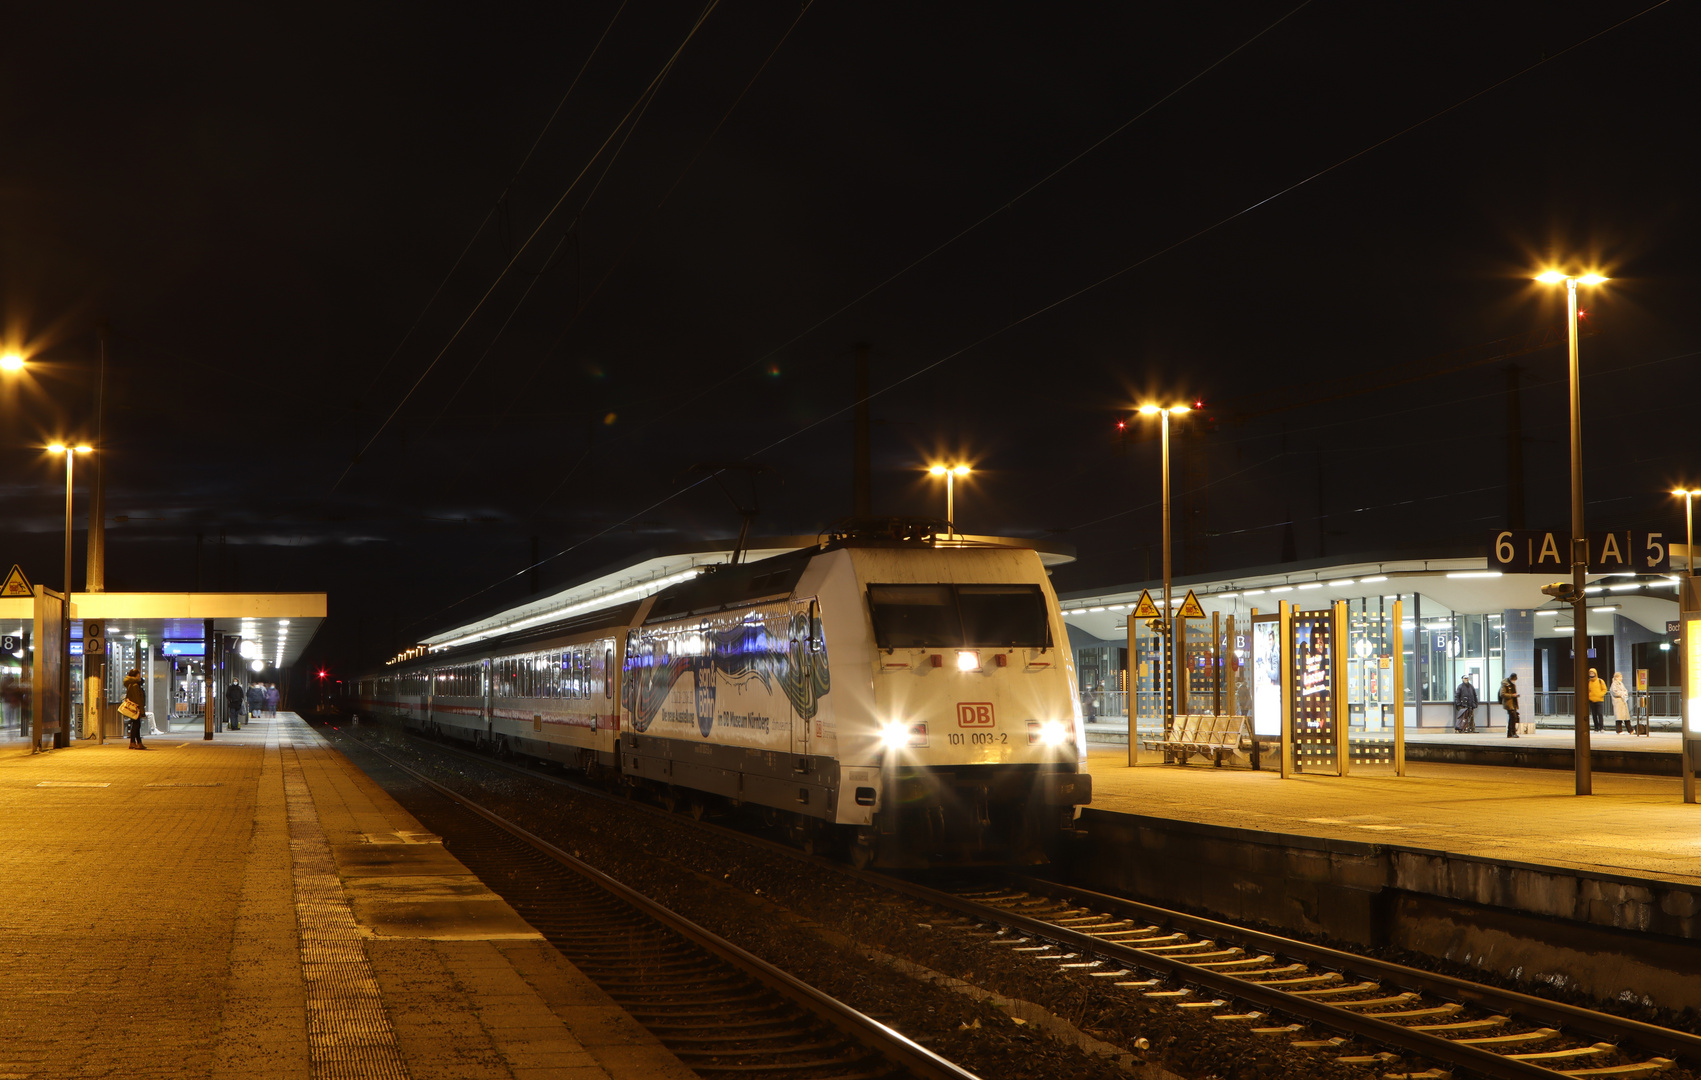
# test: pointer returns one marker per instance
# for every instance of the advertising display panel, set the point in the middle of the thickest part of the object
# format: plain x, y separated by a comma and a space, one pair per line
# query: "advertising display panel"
1313, 689
1267, 675
736, 679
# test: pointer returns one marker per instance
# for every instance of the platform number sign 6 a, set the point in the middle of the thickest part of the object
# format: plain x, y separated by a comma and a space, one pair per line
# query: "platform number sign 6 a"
974, 714
1532, 551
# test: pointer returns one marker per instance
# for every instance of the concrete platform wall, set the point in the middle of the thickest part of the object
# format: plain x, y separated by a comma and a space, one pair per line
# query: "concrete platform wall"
1602, 935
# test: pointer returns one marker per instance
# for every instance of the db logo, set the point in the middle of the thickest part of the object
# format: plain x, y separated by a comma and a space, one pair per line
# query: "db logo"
974, 714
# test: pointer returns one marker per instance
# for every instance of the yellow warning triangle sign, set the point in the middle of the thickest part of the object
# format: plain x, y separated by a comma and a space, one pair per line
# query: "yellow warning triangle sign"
16, 584
1190, 608
1145, 609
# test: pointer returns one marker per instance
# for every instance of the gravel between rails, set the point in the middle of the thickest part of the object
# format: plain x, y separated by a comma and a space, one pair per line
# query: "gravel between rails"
820, 925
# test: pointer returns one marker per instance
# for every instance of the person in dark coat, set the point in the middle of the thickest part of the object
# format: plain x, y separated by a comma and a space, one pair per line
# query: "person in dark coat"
256, 701
1465, 706
1509, 702
135, 692
233, 699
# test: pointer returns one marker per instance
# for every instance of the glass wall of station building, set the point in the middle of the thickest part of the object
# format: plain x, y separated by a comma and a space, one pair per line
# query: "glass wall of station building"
1441, 647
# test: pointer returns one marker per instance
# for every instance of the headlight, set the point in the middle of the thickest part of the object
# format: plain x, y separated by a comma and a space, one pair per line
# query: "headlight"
897, 735
1053, 733
968, 660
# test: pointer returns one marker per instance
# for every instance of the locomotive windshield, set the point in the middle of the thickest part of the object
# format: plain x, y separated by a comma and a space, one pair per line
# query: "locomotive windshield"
959, 616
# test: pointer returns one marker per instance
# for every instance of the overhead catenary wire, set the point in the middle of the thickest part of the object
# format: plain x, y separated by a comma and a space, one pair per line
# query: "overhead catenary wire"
1076, 294
1001, 208
506, 189
503, 274
581, 305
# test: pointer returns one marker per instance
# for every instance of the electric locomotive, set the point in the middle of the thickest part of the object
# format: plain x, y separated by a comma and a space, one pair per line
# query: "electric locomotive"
908, 701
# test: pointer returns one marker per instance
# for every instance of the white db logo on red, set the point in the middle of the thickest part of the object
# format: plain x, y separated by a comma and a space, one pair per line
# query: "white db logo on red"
974, 714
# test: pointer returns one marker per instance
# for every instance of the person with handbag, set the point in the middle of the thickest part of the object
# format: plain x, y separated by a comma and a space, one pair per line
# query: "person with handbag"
135, 704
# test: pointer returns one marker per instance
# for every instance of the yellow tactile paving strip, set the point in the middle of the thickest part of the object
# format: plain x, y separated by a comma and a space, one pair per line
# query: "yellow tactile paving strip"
348, 1032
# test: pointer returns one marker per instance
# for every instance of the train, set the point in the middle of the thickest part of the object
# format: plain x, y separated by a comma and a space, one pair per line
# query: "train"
905, 700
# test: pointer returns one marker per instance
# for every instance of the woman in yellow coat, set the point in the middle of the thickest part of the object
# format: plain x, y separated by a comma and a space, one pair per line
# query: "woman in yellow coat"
1597, 694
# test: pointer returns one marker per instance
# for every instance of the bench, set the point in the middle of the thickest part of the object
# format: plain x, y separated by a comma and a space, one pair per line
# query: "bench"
1215, 737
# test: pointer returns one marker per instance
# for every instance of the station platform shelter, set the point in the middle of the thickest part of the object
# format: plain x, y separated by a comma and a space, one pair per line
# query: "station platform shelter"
255, 906
185, 645
1459, 620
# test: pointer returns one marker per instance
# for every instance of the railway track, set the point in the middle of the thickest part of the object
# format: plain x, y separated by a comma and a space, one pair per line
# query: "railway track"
1355, 1009
1278, 987
721, 1010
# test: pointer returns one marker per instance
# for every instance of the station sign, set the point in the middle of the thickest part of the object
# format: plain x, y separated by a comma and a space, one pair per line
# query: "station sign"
1532, 551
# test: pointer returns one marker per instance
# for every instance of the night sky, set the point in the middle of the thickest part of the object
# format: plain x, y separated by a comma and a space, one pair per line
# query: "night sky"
371, 333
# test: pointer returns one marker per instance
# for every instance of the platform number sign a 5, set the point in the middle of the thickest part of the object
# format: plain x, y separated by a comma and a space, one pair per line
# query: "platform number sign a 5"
1532, 551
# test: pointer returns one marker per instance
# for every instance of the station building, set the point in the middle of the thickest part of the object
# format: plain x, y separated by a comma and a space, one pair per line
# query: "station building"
1458, 619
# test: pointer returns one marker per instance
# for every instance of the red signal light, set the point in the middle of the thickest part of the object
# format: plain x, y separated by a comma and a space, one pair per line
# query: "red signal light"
321, 673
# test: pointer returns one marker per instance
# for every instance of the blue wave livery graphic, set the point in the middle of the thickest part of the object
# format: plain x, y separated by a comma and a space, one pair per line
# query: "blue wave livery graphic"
743, 651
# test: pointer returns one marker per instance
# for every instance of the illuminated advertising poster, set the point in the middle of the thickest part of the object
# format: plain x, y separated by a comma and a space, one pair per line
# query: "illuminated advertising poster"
1313, 688
1267, 677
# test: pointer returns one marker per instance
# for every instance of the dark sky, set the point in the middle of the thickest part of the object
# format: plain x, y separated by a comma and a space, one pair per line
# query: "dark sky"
262, 204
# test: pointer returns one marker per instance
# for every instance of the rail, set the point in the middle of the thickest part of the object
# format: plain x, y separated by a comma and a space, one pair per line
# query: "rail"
863, 1030
1481, 1030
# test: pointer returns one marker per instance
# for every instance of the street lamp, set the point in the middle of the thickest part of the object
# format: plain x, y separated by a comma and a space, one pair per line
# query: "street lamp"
1688, 525
1579, 539
950, 473
1164, 412
62, 738
11, 361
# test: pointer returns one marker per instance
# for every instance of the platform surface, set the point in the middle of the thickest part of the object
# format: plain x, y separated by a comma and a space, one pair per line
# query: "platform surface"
256, 906
1634, 826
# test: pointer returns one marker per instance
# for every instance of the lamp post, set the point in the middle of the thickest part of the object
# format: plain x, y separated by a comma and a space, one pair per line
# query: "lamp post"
950, 473
1688, 526
1164, 412
1579, 538
62, 737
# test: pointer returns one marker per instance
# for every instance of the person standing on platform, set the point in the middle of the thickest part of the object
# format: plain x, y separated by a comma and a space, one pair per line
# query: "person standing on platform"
1597, 694
256, 701
233, 699
1620, 702
1465, 706
1509, 702
272, 696
135, 692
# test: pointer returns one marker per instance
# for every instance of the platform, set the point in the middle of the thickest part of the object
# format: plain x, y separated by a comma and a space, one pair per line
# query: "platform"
1470, 861
255, 906
1659, 753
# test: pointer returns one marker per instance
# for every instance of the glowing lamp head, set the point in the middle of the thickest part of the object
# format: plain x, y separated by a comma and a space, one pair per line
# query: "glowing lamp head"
1550, 277
1054, 733
82, 449
897, 735
968, 660
936, 470
1150, 410
1179, 409
1591, 279
11, 362
960, 470
56, 448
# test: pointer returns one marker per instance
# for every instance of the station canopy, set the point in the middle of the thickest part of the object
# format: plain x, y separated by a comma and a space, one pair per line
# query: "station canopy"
274, 627
1460, 585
